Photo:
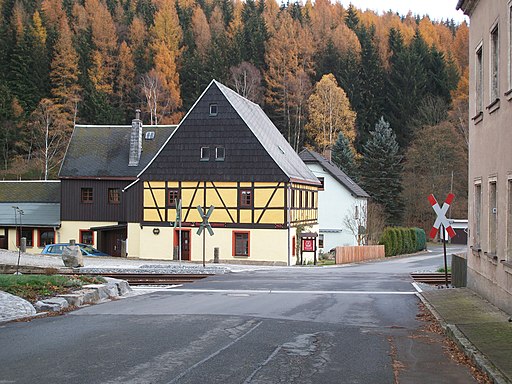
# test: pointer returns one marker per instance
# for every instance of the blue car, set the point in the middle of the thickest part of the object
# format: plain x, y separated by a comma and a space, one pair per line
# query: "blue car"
86, 249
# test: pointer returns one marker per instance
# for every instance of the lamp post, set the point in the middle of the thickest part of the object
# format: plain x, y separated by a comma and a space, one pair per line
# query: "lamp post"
20, 212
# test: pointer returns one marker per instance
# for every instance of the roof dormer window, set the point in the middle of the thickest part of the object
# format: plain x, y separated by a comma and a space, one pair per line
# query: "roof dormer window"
205, 153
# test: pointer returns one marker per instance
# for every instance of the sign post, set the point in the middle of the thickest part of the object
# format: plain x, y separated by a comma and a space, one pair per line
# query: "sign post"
205, 225
177, 203
444, 224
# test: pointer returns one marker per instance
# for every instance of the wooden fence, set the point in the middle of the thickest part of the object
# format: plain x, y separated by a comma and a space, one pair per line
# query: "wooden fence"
346, 255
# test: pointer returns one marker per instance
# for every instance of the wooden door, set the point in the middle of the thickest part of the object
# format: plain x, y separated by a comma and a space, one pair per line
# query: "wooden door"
185, 242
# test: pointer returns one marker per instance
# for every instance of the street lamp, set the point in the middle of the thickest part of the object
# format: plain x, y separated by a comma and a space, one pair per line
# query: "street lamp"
20, 212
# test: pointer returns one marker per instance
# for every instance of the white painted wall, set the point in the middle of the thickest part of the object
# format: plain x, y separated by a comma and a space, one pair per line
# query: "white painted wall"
334, 203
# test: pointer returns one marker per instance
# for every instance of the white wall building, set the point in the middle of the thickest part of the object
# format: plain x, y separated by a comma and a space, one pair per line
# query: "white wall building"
340, 199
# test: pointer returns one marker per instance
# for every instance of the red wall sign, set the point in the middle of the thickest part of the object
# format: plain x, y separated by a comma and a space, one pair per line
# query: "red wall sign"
308, 245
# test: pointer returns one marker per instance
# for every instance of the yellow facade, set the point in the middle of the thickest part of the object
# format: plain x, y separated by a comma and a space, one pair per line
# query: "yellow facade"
268, 206
272, 207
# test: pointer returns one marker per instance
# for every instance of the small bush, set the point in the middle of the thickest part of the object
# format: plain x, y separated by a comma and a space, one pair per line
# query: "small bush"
421, 239
386, 241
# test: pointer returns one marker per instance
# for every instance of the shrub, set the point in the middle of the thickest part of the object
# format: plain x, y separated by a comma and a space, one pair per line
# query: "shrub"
386, 241
399, 240
421, 239
414, 240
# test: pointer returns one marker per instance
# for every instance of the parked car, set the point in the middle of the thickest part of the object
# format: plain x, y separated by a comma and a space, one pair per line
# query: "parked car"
86, 249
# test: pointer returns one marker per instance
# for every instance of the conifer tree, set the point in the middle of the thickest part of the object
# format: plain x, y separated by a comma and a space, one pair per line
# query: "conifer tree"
343, 157
380, 171
368, 98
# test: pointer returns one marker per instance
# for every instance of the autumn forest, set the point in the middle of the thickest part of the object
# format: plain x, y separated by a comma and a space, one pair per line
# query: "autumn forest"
385, 94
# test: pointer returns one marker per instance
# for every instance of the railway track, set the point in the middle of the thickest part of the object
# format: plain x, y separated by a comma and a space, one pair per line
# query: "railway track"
431, 278
156, 278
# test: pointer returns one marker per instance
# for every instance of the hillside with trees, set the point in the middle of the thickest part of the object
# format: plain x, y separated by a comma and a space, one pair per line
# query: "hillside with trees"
329, 77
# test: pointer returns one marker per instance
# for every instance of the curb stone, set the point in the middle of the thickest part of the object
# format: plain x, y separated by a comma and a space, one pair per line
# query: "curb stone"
467, 347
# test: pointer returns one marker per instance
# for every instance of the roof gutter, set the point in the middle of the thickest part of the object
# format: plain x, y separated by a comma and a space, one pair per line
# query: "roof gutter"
130, 185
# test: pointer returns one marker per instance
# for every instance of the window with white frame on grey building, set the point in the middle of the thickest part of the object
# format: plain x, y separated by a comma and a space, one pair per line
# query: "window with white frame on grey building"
509, 48
493, 218
509, 220
495, 58
479, 71
477, 215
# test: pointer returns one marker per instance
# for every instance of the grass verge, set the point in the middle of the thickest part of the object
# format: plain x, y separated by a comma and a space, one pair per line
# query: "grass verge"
36, 287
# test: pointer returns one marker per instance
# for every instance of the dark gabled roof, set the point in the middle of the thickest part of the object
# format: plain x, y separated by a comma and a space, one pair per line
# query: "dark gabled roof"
257, 150
269, 136
313, 157
30, 191
102, 151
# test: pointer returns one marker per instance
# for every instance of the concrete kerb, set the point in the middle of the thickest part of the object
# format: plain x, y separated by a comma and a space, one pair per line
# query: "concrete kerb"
467, 347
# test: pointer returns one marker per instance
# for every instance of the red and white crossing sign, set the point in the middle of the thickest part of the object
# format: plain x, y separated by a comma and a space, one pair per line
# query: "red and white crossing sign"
441, 215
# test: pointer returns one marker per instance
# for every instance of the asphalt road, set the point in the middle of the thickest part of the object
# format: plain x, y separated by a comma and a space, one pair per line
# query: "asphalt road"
350, 324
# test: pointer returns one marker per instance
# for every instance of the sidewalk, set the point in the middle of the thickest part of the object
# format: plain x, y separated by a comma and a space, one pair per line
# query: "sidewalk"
481, 330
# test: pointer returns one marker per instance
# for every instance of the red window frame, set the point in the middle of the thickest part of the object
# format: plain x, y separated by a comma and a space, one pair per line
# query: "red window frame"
86, 195
294, 246
234, 250
81, 236
18, 236
246, 198
39, 241
114, 196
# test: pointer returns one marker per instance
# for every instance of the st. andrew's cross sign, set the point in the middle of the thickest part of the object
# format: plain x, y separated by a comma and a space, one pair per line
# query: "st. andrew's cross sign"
205, 225
444, 223
441, 215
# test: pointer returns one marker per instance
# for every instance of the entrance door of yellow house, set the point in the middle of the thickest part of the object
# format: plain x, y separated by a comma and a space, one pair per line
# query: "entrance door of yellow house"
185, 242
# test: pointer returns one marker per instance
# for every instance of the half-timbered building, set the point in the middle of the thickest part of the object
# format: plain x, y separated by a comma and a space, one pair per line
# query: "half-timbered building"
225, 153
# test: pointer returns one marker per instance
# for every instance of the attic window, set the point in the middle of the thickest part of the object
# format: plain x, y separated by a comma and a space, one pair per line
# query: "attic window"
150, 135
205, 153
213, 110
220, 153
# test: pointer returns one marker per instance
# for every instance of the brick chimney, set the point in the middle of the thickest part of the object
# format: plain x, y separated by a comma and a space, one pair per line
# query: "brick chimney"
327, 153
135, 140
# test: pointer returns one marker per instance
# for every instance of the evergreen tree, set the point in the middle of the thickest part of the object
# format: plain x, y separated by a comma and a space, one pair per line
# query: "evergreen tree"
343, 157
254, 33
380, 171
369, 101
352, 19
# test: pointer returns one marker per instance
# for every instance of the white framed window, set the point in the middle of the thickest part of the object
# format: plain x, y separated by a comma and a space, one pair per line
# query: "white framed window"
220, 153
477, 215
493, 217
213, 110
495, 63
509, 218
479, 77
509, 48
205, 153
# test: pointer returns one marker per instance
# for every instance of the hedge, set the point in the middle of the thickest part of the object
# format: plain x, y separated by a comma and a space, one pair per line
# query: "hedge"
399, 240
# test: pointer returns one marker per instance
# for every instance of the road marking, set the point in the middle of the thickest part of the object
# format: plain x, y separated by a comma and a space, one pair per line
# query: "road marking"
177, 378
417, 287
266, 291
